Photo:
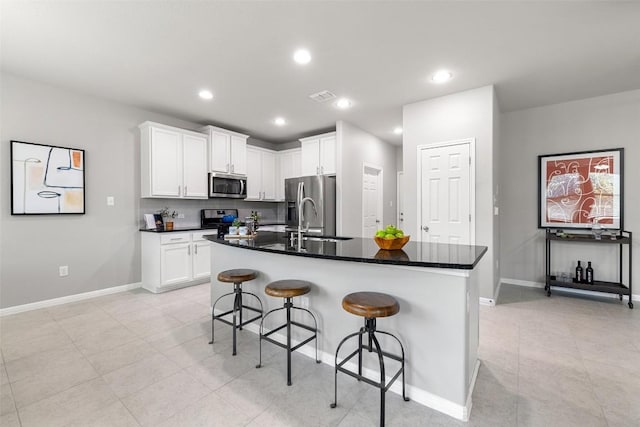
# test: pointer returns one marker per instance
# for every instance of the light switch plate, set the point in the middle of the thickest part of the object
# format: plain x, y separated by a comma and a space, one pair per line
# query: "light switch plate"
111, 201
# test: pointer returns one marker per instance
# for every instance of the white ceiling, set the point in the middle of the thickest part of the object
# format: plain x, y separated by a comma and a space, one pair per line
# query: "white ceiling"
158, 54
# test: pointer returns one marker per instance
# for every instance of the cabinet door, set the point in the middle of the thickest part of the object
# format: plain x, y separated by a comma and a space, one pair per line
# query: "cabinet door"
254, 174
219, 160
310, 156
328, 155
194, 167
166, 179
201, 259
284, 172
296, 163
175, 263
268, 176
238, 155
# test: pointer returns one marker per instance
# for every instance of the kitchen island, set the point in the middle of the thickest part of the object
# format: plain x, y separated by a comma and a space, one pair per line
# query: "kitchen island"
435, 285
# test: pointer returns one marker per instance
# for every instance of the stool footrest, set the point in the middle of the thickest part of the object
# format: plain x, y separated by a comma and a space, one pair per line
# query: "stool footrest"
282, 345
238, 325
339, 367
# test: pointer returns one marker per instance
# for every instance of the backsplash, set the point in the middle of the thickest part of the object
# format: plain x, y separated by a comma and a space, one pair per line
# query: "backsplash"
270, 212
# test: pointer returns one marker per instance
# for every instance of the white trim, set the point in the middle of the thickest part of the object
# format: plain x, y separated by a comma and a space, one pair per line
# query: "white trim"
491, 301
380, 188
529, 284
472, 182
416, 394
466, 413
487, 301
69, 298
400, 203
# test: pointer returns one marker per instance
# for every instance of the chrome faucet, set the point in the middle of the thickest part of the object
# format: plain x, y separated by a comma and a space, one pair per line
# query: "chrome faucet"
301, 213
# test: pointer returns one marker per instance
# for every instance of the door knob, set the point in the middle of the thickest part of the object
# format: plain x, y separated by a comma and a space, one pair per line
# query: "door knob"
425, 228
377, 221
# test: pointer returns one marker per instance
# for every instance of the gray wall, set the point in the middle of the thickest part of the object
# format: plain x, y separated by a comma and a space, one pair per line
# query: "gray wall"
467, 114
356, 147
102, 247
610, 121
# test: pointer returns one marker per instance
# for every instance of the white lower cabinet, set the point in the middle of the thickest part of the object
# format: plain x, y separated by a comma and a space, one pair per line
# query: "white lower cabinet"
174, 260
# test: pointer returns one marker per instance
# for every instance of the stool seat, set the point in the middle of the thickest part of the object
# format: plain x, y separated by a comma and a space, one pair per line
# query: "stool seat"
288, 288
237, 275
370, 304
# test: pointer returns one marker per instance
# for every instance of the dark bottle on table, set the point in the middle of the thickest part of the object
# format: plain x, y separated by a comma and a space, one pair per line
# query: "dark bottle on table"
589, 273
579, 274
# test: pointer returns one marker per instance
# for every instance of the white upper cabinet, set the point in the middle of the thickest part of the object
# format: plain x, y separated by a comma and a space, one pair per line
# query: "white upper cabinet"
173, 162
227, 151
194, 171
261, 174
289, 166
319, 154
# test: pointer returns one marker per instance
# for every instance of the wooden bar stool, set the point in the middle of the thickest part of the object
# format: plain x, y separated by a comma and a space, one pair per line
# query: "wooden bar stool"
237, 277
370, 305
288, 289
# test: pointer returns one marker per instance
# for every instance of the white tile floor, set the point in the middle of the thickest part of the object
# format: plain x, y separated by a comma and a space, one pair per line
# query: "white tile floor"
139, 359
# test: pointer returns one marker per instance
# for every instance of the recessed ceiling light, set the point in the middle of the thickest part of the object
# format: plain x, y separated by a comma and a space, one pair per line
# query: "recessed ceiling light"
398, 130
441, 76
205, 94
343, 103
279, 121
302, 56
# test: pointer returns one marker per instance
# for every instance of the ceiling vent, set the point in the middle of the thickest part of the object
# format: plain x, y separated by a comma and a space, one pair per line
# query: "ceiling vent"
322, 96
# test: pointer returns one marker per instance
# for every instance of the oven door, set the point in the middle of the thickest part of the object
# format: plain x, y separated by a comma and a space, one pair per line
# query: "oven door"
228, 186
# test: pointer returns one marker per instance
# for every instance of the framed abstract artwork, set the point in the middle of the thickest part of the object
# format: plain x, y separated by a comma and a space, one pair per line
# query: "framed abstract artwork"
46, 179
577, 190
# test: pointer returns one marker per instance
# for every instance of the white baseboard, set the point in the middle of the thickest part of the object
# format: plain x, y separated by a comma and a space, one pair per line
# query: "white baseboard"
69, 298
469, 404
487, 301
416, 394
529, 284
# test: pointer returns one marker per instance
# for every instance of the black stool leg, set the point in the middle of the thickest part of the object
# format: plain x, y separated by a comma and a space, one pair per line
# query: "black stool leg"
240, 303
237, 306
288, 304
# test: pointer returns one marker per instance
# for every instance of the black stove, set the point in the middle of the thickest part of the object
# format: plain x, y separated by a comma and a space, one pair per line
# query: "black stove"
218, 218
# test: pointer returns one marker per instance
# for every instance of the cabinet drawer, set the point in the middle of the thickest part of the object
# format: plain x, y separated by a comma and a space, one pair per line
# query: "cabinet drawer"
196, 236
168, 238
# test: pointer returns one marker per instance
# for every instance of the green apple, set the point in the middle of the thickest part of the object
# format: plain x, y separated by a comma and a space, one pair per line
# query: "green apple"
399, 234
380, 233
390, 236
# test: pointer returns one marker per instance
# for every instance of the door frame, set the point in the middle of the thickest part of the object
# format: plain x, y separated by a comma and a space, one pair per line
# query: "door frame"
472, 182
399, 202
379, 202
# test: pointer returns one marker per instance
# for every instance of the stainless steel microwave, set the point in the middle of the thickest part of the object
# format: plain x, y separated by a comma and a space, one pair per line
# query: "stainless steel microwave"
229, 186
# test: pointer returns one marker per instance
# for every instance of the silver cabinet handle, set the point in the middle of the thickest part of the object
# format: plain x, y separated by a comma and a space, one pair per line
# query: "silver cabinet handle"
425, 228
188, 250
377, 221
176, 238
317, 170
227, 167
195, 249
321, 169
232, 167
185, 190
179, 193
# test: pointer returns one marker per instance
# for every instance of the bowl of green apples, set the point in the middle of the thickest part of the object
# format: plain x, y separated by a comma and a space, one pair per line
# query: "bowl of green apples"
391, 238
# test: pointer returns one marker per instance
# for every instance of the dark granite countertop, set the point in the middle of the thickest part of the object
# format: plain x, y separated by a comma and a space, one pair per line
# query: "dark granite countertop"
192, 228
197, 228
418, 254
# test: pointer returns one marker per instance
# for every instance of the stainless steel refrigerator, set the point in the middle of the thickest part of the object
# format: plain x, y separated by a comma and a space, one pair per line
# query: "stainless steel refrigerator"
316, 195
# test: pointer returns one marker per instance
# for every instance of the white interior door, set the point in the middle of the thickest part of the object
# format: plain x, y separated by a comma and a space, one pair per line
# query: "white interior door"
371, 200
446, 193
